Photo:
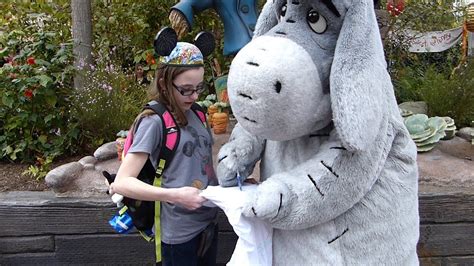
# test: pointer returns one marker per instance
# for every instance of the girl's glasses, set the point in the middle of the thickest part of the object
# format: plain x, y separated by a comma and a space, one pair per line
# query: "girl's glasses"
187, 92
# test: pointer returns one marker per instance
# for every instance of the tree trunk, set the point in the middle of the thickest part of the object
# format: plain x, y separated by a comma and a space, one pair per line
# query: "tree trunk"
82, 36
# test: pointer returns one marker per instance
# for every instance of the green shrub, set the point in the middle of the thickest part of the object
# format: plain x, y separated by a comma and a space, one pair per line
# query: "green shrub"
108, 103
445, 94
35, 82
450, 96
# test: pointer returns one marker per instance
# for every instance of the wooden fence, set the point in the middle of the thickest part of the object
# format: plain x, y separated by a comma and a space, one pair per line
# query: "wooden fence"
38, 228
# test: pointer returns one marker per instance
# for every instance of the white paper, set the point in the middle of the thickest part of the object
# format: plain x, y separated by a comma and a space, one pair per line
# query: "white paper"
254, 246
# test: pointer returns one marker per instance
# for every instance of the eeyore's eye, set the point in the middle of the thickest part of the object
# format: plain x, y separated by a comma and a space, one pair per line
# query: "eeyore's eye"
282, 11
316, 22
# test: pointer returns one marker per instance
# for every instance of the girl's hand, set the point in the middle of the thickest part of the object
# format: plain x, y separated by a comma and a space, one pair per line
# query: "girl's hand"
188, 197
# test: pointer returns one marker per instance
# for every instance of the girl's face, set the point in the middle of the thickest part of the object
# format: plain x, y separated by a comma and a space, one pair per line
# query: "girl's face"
190, 84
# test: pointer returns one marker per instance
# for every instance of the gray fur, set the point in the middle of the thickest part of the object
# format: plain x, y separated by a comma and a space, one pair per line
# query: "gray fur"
318, 109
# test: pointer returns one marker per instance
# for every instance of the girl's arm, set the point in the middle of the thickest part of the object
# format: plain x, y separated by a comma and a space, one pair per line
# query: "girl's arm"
129, 186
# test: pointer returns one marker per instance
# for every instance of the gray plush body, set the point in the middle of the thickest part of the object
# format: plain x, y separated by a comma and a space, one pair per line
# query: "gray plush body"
316, 106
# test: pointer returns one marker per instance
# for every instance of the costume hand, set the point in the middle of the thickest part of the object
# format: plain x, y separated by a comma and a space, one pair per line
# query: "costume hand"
188, 197
270, 201
231, 159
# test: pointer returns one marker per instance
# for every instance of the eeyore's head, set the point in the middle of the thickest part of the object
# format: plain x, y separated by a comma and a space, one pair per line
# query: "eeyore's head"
311, 62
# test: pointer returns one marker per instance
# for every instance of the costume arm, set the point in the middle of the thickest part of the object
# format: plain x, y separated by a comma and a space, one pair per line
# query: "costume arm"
240, 154
320, 189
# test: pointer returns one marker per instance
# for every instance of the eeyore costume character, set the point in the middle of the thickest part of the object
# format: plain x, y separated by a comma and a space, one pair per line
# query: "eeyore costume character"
315, 104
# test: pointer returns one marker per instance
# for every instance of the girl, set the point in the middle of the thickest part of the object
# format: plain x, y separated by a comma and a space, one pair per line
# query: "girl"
177, 85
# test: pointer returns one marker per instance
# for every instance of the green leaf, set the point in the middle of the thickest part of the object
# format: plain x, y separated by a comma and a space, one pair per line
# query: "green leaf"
51, 100
416, 123
4, 52
33, 117
42, 62
44, 80
7, 100
8, 149
436, 122
43, 139
50, 46
48, 118
137, 59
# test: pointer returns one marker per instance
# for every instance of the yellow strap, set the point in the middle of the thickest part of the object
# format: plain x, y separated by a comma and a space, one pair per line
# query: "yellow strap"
123, 210
146, 237
157, 182
161, 166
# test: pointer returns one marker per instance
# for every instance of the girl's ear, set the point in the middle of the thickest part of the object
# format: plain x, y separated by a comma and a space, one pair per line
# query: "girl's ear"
165, 41
206, 42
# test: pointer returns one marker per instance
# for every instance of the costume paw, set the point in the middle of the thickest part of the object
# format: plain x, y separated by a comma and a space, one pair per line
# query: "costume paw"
231, 159
270, 201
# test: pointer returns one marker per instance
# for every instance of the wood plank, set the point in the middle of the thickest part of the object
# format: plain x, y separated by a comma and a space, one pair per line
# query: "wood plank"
441, 261
24, 221
28, 259
48, 198
9, 245
446, 207
114, 249
107, 248
442, 240
61, 220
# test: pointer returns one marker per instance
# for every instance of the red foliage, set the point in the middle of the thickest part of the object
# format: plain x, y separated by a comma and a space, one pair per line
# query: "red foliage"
28, 94
30, 61
395, 7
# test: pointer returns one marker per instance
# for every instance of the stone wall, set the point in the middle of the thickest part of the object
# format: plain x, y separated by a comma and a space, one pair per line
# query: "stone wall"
39, 228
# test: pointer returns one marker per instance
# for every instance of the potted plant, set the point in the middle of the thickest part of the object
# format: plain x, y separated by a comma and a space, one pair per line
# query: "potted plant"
208, 103
220, 120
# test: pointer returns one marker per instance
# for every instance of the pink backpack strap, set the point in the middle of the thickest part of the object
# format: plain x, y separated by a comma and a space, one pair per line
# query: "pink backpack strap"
128, 143
170, 130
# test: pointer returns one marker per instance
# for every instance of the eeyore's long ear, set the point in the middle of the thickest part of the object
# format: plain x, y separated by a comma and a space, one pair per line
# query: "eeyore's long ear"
360, 85
267, 19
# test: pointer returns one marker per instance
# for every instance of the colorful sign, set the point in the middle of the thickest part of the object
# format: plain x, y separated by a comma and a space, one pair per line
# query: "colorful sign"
435, 41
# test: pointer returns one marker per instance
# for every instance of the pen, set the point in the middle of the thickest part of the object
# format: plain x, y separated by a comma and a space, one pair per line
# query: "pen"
239, 181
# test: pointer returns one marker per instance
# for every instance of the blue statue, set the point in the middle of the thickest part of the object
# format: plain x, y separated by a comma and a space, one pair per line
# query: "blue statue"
239, 17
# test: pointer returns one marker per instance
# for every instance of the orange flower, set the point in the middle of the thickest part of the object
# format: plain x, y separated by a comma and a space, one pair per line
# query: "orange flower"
28, 94
30, 61
150, 59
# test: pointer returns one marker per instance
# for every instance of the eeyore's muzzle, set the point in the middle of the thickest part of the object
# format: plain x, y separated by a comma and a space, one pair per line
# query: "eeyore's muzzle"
270, 65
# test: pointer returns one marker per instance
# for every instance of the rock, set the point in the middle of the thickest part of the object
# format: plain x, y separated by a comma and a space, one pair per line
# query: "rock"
88, 162
457, 147
60, 178
449, 164
106, 151
415, 107
465, 133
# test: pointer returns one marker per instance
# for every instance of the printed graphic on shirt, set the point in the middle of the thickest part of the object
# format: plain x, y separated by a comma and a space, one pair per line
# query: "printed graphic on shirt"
198, 148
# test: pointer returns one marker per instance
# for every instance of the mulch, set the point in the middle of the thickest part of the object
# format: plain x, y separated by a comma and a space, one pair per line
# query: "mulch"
13, 179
